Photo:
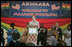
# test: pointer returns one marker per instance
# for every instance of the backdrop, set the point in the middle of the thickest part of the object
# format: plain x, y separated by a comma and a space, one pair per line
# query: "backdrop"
47, 12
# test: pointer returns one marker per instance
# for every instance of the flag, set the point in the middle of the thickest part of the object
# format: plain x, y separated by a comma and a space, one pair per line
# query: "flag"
54, 7
5, 5
17, 6
66, 5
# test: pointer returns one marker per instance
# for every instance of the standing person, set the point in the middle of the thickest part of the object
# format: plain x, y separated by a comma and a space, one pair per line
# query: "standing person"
39, 34
2, 38
5, 37
42, 35
53, 36
34, 22
59, 31
25, 34
67, 34
11, 31
53, 32
50, 32
45, 36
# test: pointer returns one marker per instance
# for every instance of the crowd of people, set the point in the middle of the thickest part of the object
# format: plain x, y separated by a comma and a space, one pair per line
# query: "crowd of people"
45, 37
54, 37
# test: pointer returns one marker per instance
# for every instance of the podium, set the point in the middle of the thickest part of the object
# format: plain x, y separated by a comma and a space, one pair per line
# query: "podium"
32, 34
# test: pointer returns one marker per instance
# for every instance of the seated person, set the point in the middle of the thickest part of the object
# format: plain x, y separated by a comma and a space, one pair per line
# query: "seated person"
61, 43
53, 41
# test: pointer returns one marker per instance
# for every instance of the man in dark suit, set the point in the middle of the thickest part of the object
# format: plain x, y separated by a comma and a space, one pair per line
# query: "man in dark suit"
59, 31
42, 34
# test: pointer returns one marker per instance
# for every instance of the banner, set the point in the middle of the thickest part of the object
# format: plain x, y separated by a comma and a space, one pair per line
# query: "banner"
41, 9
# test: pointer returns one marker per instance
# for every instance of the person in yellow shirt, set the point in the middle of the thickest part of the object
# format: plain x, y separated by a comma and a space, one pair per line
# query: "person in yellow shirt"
53, 32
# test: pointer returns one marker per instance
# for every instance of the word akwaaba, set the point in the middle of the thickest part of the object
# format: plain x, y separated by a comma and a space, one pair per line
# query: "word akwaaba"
35, 4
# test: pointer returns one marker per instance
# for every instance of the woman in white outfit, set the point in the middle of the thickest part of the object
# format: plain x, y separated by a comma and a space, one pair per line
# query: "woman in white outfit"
67, 34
